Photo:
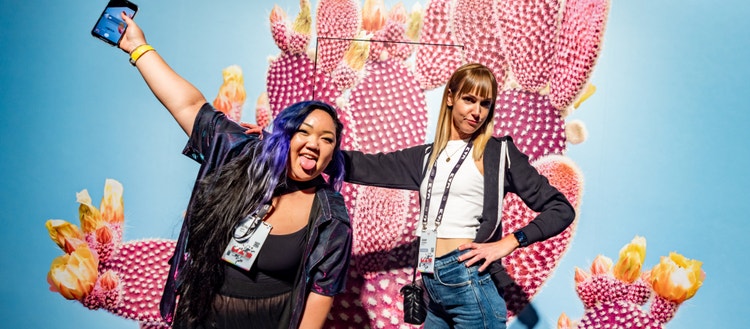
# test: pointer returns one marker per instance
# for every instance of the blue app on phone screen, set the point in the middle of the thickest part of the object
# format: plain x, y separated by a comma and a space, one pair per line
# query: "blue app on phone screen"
110, 26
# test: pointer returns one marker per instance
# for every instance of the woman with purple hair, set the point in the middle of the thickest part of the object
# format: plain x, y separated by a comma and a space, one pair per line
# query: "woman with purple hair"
269, 238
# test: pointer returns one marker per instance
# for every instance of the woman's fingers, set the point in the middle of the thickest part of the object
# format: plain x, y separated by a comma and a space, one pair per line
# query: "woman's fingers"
478, 252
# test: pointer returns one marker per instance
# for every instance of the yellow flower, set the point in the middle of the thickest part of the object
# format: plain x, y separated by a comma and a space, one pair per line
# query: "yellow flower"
111, 206
602, 265
303, 23
74, 275
631, 260
88, 215
677, 278
587, 92
67, 236
414, 24
356, 56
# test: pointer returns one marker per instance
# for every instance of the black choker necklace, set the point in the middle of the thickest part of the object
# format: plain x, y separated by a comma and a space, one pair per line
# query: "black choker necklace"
289, 185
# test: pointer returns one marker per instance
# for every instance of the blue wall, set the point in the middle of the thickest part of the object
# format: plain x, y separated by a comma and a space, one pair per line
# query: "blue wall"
665, 158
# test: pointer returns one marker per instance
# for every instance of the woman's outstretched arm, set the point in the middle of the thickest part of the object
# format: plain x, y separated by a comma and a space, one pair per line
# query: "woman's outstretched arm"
178, 95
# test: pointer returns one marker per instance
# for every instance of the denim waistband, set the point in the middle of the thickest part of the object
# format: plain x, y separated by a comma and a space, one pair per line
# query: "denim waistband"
451, 257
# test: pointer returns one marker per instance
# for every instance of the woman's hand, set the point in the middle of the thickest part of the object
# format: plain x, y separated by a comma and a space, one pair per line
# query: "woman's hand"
490, 252
252, 129
133, 36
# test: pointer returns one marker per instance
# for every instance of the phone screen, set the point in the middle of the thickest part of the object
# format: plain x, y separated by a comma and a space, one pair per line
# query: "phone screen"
110, 26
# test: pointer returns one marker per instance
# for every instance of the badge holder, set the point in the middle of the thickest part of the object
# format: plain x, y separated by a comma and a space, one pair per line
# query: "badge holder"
427, 244
248, 238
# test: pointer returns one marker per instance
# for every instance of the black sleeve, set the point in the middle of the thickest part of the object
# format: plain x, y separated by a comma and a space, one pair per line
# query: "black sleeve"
214, 135
400, 169
335, 248
555, 211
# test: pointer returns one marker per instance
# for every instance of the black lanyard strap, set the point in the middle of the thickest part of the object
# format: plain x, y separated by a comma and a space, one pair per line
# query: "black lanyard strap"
428, 196
247, 225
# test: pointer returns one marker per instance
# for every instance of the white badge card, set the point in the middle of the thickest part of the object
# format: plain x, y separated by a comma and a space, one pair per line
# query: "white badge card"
427, 244
243, 254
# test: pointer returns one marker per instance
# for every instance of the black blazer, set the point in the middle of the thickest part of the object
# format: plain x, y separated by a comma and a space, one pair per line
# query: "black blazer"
405, 169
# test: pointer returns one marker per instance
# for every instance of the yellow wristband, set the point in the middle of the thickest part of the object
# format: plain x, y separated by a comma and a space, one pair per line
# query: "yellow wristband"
138, 52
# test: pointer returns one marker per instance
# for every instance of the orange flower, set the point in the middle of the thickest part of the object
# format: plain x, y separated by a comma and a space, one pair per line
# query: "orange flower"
104, 235
632, 256
677, 278
373, 15
581, 275
74, 275
231, 97
564, 322
602, 265
112, 206
109, 280
398, 13
646, 276
277, 14
67, 236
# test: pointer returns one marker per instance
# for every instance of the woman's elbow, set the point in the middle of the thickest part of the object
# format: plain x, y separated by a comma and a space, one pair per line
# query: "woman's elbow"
571, 215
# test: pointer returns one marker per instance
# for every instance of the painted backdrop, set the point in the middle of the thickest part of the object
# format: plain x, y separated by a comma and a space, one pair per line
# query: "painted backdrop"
664, 156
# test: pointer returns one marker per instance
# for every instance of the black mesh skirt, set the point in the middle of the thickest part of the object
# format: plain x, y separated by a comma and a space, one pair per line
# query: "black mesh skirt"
243, 313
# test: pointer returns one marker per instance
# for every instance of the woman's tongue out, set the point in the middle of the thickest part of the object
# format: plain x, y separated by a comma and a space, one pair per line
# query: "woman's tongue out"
307, 163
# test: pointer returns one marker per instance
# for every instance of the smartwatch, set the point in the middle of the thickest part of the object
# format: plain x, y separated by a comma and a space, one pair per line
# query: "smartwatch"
523, 241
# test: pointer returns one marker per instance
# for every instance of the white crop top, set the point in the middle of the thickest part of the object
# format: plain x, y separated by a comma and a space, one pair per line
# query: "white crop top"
463, 209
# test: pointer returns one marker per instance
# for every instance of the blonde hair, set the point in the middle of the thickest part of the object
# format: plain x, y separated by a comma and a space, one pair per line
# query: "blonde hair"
469, 78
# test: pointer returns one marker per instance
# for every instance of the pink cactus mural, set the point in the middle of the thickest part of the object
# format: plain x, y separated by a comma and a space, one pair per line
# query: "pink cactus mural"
386, 110
377, 65
614, 297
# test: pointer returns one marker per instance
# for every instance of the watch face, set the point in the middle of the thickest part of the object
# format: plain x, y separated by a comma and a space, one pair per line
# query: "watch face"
521, 237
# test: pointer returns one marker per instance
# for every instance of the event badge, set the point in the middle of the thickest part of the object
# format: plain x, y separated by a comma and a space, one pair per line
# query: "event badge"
242, 253
427, 244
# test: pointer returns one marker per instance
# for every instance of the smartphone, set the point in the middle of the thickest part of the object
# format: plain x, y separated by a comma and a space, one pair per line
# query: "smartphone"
110, 26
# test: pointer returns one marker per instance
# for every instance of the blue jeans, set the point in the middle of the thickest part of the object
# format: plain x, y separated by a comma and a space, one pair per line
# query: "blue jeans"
461, 297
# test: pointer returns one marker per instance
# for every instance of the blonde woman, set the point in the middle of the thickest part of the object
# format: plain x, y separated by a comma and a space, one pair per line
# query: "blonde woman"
457, 177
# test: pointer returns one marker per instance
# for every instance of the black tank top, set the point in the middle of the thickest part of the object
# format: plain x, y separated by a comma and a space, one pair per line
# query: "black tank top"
273, 272
279, 259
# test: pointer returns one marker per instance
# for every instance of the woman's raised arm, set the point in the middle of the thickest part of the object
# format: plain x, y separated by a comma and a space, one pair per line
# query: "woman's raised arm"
178, 95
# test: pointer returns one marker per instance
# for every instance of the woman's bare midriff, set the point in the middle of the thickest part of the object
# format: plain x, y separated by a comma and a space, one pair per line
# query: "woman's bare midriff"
446, 245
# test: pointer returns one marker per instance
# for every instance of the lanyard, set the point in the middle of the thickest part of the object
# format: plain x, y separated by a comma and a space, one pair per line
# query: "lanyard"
247, 225
433, 171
